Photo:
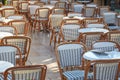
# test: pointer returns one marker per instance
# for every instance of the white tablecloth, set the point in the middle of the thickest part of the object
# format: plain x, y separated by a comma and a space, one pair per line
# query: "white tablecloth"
84, 30
95, 56
5, 20
4, 34
5, 65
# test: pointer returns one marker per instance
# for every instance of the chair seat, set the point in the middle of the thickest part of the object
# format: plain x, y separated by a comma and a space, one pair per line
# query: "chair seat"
76, 75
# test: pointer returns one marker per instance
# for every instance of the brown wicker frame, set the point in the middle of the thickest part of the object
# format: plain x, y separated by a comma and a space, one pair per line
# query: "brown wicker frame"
94, 62
109, 37
83, 37
28, 67
102, 7
91, 20
26, 27
8, 9
43, 22
61, 35
93, 14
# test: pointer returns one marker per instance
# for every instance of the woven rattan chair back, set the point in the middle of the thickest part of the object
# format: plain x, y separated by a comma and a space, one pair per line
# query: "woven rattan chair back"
104, 69
22, 42
21, 26
105, 46
69, 56
29, 72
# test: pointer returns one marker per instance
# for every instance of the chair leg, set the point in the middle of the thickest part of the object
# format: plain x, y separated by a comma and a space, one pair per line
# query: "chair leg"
34, 25
51, 38
55, 41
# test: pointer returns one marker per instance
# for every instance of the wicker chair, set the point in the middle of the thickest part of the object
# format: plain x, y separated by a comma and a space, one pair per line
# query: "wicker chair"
55, 24
58, 11
89, 38
61, 4
113, 36
8, 11
110, 18
21, 26
23, 7
87, 21
89, 11
70, 61
31, 13
103, 69
21, 42
14, 3
42, 18
78, 8
103, 9
29, 72
69, 32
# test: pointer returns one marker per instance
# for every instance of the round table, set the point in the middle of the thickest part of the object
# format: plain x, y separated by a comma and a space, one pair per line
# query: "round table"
4, 34
84, 2
5, 65
90, 55
84, 30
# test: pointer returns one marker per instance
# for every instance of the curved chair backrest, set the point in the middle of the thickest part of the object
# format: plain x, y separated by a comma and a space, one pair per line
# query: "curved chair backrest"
22, 42
20, 25
69, 56
90, 37
105, 46
29, 72
104, 69
113, 36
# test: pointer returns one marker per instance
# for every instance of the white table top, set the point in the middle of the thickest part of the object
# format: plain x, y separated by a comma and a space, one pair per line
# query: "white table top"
95, 56
4, 7
70, 26
5, 20
4, 34
84, 30
5, 65
48, 6
75, 17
